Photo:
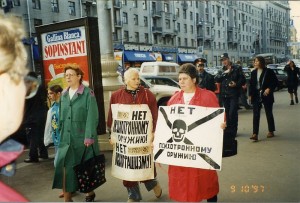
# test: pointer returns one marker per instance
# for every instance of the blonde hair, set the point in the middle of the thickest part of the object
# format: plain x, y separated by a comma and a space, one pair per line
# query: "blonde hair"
129, 73
13, 55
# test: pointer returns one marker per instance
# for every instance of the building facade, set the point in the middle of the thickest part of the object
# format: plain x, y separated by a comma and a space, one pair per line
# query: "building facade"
177, 31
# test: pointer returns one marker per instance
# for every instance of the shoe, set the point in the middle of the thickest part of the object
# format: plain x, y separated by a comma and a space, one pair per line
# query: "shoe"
61, 195
43, 157
90, 198
132, 200
157, 190
270, 134
254, 137
292, 102
297, 101
31, 160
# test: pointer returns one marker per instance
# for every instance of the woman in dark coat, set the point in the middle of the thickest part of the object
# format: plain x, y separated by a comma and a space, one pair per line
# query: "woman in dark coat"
78, 120
263, 82
292, 80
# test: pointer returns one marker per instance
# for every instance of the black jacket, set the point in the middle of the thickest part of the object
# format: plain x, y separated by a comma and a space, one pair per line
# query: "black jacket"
206, 81
292, 79
270, 82
235, 75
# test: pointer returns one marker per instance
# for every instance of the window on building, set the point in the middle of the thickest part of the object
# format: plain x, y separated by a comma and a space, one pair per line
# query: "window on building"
192, 29
134, 4
124, 2
192, 42
219, 34
184, 14
146, 38
191, 15
185, 28
136, 19
72, 8
145, 4
37, 22
166, 7
36, 4
125, 18
137, 37
213, 8
145, 21
126, 36
168, 24
178, 27
179, 41
177, 12
17, 3
185, 42
54, 6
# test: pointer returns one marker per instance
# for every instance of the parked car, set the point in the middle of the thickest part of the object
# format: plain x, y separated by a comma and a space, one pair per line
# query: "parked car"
160, 80
162, 92
282, 78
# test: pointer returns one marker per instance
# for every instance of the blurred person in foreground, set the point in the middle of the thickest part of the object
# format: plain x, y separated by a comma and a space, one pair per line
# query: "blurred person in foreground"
206, 80
263, 82
134, 93
292, 81
188, 184
78, 121
13, 59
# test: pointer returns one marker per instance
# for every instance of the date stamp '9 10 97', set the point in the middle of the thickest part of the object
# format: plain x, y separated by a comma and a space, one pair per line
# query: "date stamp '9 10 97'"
248, 188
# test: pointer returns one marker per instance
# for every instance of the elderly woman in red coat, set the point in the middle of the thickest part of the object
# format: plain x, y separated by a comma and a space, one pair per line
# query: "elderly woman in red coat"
192, 184
134, 93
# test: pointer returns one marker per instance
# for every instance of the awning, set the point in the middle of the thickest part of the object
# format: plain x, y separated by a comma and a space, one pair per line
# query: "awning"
186, 58
167, 57
139, 56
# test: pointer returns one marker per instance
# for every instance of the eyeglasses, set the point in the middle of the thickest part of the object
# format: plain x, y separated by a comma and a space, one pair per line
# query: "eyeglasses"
69, 75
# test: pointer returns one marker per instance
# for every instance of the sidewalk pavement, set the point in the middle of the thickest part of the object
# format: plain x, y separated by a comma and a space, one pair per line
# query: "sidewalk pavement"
265, 171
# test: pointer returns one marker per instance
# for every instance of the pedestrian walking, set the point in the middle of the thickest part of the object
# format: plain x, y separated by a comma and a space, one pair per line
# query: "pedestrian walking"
78, 120
293, 80
263, 82
206, 80
188, 184
133, 93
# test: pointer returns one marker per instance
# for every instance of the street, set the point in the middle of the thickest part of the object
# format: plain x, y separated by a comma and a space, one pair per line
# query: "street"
264, 171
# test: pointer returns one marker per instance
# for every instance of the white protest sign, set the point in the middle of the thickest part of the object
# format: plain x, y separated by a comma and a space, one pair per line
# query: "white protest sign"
131, 133
190, 136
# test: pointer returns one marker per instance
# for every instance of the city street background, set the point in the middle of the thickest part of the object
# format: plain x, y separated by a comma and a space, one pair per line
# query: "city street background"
265, 171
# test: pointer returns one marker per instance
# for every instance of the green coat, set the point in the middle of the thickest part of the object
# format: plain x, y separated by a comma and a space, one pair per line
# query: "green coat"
78, 120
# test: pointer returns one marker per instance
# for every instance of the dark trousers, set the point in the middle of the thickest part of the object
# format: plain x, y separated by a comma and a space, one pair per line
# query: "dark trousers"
231, 109
35, 136
256, 116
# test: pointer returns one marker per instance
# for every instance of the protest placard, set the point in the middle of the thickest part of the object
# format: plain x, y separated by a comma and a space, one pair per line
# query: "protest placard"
132, 135
190, 136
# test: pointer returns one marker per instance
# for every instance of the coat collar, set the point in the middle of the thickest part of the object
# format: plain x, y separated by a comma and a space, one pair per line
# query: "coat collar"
79, 90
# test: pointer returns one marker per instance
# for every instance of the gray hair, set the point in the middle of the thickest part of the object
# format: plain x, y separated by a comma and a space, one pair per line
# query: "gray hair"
129, 73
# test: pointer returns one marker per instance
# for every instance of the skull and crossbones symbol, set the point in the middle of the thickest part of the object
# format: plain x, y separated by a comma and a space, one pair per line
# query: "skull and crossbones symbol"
179, 130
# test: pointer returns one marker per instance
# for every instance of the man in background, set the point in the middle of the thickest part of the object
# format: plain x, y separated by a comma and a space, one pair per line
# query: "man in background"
206, 80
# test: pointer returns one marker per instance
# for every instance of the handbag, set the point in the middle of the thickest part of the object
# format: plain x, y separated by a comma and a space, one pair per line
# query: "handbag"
90, 173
